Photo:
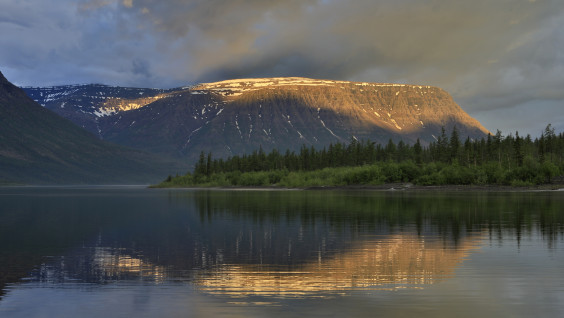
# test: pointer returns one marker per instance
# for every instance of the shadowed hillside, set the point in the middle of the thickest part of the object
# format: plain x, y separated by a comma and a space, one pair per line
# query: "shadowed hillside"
37, 146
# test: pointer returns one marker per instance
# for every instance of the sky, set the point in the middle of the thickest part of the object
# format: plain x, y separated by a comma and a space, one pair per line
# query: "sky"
501, 60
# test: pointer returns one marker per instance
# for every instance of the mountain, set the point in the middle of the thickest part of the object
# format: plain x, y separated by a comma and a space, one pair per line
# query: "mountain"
238, 116
84, 104
39, 147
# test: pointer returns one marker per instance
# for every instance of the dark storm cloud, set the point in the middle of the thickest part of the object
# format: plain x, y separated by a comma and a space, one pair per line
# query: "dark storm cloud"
495, 57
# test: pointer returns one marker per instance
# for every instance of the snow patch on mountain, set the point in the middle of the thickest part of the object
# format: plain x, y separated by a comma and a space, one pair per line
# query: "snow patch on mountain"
237, 87
104, 112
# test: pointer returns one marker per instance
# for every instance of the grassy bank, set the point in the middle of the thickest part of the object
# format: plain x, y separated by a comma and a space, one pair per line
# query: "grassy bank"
530, 174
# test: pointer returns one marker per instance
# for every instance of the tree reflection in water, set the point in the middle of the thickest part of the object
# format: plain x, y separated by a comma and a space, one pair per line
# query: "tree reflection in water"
268, 243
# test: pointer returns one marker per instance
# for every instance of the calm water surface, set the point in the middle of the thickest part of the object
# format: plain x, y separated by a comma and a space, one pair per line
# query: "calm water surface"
135, 252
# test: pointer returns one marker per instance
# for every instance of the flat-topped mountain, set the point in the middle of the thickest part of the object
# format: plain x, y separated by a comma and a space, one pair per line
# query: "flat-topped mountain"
238, 116
39, 147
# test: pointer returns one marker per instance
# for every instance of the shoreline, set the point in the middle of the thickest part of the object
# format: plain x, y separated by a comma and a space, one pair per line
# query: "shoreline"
380, 187
389, 187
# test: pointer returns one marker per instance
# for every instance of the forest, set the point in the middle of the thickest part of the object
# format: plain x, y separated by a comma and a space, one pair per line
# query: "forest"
509, 160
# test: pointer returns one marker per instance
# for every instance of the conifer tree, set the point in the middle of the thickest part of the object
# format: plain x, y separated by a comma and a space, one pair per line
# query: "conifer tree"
467, 151
442, 146
209, 164
454, 144
201, 165
549, 138
417, 149
390, 150
517, 150
541, 148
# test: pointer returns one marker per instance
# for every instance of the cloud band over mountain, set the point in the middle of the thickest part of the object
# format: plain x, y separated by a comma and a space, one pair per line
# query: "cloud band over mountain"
501, 60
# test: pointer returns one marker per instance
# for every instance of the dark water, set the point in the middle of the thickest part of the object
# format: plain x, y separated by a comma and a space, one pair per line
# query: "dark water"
135, 252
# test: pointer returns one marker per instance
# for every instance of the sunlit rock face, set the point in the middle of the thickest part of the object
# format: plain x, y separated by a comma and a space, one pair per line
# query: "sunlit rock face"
239, 116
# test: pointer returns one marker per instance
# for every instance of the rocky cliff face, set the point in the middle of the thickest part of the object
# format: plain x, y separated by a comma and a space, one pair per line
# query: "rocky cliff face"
238, 116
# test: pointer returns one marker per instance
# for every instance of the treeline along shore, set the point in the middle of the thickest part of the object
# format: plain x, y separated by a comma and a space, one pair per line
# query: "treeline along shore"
509, 160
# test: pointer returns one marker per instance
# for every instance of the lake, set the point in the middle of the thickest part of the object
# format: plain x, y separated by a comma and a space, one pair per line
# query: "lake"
137, 252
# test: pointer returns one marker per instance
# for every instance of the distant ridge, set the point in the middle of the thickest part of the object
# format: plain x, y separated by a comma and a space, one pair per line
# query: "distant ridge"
238, 116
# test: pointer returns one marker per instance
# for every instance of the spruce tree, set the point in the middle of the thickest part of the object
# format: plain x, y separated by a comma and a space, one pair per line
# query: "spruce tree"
200, 168
417, 149
442, 146
209, 165
518, 153
454, 144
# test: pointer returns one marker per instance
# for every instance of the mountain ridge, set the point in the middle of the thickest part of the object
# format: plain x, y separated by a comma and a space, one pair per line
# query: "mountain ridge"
237, 116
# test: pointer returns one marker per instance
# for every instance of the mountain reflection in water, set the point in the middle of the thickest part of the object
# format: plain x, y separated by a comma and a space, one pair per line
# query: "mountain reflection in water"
398, 261
401, 261
260, 243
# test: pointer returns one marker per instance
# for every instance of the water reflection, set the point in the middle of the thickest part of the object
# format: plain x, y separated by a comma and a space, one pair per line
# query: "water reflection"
383, 263
268, 244
98, 265
449, 215
400, 261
